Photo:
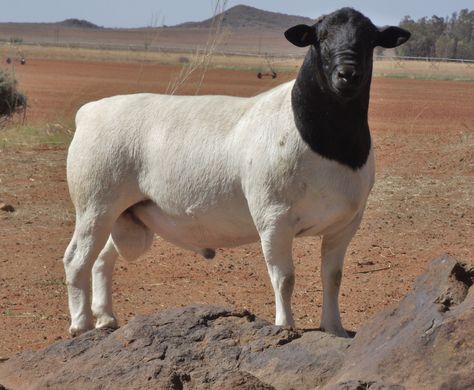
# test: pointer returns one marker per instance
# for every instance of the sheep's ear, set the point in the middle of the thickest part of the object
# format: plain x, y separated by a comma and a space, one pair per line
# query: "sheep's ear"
301, 35
391, 36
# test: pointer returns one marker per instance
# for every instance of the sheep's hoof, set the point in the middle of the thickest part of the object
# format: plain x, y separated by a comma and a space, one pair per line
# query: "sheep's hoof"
342, 334
106, 322
75, 331
339, 332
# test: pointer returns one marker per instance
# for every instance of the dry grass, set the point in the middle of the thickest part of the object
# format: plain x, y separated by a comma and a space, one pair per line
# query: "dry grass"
202, 59
424, 70
220, 60
20, 135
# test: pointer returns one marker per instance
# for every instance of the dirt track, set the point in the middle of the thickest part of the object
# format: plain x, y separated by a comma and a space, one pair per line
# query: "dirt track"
422, 206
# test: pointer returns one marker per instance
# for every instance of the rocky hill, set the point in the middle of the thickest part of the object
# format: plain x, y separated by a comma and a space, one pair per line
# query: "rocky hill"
77, 23
243, 16
248, 30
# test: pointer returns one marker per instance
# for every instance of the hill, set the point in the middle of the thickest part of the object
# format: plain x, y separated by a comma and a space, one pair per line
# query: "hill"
243, 16
251, 31
77, 23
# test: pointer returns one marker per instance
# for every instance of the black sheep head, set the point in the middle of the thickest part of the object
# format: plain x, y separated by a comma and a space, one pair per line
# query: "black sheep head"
343, 43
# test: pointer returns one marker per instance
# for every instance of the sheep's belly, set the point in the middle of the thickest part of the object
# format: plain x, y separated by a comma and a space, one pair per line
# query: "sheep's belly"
198, 230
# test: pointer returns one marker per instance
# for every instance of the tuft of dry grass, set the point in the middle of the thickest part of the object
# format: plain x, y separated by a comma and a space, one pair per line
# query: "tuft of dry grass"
25, 136
424, 70
201, 60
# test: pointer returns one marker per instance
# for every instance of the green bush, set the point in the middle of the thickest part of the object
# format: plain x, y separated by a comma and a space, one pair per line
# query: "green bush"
11, 100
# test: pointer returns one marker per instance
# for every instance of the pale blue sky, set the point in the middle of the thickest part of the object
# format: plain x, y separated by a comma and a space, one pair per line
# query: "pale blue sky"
140, 13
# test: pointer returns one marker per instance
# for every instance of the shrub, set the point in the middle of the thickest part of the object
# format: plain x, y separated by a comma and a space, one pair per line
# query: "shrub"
11, 100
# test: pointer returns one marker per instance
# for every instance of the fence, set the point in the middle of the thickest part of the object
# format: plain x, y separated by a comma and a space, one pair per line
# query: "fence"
427, 59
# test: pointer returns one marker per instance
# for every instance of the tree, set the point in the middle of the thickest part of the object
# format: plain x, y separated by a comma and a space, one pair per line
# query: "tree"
462, 33
450, 37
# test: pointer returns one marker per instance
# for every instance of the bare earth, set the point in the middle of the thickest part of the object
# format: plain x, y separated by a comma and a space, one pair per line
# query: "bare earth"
422, 206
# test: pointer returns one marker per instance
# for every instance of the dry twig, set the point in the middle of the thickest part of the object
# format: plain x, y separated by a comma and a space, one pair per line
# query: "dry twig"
202, 58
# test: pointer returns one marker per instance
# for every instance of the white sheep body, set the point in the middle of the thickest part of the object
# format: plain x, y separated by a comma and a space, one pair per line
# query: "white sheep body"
202, 172
212, 164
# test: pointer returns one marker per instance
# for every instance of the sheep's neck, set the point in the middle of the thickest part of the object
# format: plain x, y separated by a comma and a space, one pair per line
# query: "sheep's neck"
335, 129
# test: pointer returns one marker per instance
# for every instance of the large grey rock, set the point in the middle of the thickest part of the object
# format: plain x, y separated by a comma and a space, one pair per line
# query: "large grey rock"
426, 342
192, 347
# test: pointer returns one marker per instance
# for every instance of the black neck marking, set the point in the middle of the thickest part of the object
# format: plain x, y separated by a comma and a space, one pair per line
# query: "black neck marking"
332, 127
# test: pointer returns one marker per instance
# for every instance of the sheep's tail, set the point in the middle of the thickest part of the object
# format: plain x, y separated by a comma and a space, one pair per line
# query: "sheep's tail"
130, 236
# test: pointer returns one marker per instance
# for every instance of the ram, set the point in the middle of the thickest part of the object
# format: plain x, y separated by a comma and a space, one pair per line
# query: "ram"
208, 172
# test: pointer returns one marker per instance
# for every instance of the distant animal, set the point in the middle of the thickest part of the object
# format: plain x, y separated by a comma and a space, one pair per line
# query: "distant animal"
207, 172
23, 61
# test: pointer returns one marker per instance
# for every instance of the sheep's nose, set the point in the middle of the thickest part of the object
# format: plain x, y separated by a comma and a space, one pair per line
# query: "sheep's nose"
347, 74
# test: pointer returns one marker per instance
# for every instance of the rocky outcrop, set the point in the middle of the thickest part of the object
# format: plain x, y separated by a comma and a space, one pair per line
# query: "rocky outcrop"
426, 342
191, 347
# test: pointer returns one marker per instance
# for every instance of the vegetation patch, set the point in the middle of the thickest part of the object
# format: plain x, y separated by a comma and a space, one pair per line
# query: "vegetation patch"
444, 37
424, 77
11, 100
25, 136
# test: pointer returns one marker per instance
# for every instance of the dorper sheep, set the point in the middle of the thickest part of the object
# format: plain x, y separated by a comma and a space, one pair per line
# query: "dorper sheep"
207, 172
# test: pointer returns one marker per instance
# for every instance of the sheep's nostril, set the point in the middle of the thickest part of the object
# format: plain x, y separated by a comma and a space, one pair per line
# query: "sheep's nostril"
347, 75
342, 75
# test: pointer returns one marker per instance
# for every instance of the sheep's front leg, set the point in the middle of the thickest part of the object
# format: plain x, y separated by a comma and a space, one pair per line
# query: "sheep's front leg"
102, 287
333, 250
277, 248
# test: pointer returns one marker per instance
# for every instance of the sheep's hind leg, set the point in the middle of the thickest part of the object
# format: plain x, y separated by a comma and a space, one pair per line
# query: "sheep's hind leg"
130, 238
88, 240
277, 248
102, 287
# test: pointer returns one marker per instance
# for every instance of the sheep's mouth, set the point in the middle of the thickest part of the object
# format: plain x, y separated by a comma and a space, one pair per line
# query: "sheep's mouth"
345, 91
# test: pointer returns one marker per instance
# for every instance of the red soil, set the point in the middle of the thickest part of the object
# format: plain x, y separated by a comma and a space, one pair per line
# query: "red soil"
422, 206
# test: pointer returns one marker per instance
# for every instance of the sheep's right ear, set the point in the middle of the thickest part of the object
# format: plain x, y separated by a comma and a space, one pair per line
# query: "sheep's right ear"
301, 35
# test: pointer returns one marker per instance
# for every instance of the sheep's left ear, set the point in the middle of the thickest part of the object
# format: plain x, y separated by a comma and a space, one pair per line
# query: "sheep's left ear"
391, 36
301, 35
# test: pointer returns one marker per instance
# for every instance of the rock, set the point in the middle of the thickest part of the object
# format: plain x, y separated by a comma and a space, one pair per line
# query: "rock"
6, 207
426, 342
193, 347
308, 361
361, 385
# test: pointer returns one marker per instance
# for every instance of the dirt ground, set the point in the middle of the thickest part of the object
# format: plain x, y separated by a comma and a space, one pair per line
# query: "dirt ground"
422, 206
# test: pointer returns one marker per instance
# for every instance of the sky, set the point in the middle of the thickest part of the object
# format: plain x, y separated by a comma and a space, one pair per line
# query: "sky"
141, 13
